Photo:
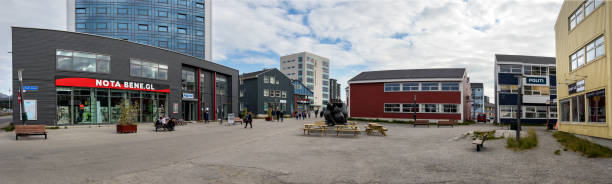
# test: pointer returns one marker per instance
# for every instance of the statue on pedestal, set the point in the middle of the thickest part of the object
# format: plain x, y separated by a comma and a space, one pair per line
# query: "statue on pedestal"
335, 114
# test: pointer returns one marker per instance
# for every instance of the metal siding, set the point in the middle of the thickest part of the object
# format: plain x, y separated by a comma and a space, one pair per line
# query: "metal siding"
506, 78
508, 99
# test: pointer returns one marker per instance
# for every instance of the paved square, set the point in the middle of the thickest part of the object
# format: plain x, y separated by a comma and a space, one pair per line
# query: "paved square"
275, 152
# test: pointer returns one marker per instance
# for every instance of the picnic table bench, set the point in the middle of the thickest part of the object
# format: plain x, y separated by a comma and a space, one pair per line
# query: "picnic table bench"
347, 128
375, 127
451, 123
25, 130
479, 141
319, 125
421, 122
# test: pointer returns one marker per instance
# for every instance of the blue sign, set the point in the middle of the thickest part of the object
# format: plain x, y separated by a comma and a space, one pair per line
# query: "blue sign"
535, 80
188, 95
30, 88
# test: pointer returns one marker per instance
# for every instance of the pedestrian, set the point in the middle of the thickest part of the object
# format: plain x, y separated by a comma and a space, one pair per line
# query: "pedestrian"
278, 115
298, 115
282, 114
309, 114
206, 115
273, 114
294, 114
322, 112
316, 113
303, 115
249, 120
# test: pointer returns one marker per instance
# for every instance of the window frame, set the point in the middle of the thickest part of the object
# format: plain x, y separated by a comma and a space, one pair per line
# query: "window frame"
392, 88
393, 106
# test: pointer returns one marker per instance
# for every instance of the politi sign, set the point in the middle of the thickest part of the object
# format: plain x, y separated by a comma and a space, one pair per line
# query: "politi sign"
535, 80
112, 84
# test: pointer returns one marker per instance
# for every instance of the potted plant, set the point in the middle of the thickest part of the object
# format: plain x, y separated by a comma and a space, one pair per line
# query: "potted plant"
269, 118
127, 119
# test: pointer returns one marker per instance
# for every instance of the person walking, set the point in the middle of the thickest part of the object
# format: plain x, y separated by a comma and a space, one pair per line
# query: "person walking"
316, 113
206, 115
303, 115
309, 114
282, 115
278, 115
249, 120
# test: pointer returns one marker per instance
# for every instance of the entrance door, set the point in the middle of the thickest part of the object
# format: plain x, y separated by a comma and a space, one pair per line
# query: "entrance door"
189, 110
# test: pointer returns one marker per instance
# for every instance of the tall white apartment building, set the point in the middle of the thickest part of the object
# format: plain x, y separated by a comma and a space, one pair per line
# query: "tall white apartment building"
312, 70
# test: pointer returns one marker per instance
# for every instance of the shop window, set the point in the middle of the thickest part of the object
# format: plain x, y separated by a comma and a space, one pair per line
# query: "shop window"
146, 69
507, 111
188, 80
450, 108
450, 86
410, 107
429, 86
389, 87
222, 85
537, 90
578, 108
392, 107
412, 86
597, 106
512, 89
565, 110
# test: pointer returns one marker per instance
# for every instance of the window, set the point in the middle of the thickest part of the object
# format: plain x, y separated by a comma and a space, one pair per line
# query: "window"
392, 107
392, 87
143, 27
536, 70
199, 33
509, 68
81, 61
583, 11
597, 106
163, 1
266, 92
163, 44
181, 30
162, 13
181, 45
278, 93
590, 52
553, 90
535, 112
81, 26
412, 86
429, 86
284, 94
450, 108
578, 108
450, 86
599, 47
553, 111
122, 26
188, 80
181, 2
162, 28
430, 107
101, 26
199, 5
272, 81
101, 10
565, 110
80, 10
507, 111
266, 79
143, 12
146, 69
536, 90
574, 18
181, 16
552, 70
410, 107
508, 89
589, 6
122, 11
199, 19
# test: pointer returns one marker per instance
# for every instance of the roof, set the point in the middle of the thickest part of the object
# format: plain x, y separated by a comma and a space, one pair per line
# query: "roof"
255, 74
525, 59
476, 85
431, 73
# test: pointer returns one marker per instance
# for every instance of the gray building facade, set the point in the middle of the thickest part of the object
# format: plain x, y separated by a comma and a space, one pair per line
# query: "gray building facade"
266, 89
334, 89
81, 78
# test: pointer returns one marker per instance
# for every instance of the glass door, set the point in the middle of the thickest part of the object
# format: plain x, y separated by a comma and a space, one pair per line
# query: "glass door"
63, 106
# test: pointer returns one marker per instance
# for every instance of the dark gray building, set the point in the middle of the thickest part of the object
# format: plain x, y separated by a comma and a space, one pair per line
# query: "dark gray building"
79, 78
266, 89
334, 90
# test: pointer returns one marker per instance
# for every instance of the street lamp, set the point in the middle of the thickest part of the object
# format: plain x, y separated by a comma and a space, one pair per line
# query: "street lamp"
519, 104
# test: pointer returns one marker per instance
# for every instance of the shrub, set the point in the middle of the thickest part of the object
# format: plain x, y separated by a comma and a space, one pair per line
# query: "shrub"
557, 152
586, 147
528, 142
9, 127
53, 127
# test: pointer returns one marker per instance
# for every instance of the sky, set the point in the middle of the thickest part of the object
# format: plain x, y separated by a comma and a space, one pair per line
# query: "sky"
356, 35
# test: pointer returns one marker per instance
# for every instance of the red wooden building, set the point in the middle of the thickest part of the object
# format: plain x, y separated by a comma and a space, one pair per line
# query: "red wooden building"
439, 94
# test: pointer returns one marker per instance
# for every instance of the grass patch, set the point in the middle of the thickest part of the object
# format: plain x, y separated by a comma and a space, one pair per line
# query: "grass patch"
490, 136
557, 152
528, 142
586, 147
381, 121
9, 127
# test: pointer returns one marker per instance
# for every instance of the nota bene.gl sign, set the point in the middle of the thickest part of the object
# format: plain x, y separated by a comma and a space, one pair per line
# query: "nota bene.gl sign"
535, 80
112, 84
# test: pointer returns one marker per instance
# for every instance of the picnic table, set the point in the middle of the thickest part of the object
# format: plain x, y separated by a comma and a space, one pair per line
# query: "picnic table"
316, 126
375, 127
347, 128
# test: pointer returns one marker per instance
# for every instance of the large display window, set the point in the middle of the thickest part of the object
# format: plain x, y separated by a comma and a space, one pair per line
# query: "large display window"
76, 106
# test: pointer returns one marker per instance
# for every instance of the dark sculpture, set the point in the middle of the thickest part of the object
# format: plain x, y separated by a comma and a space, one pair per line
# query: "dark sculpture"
335, 114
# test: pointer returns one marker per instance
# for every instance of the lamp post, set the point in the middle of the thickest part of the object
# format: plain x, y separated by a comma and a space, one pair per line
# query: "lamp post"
519, 104
20, 97
414, 108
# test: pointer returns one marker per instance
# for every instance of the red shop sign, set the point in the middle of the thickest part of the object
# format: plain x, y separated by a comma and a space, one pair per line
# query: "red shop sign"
112, 84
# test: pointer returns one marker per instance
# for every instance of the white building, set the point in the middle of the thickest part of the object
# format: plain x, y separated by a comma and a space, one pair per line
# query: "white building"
312, 70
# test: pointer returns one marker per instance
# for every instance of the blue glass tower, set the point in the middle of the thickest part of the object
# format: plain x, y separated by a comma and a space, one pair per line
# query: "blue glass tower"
178, 25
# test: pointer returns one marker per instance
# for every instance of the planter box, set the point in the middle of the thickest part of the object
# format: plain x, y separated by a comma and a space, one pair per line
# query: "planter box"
268, 119
127, 129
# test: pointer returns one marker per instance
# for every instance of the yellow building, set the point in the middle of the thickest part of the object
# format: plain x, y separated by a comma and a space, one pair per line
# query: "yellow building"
583, 67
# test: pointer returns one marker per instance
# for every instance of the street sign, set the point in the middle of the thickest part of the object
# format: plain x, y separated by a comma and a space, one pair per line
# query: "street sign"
30, 88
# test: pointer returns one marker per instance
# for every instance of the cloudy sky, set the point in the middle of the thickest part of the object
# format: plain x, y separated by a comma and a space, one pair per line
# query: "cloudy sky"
356, 35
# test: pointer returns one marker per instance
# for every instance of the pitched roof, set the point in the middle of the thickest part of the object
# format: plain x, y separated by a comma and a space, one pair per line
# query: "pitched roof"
255, 74
476, 85
411, 74
525, 59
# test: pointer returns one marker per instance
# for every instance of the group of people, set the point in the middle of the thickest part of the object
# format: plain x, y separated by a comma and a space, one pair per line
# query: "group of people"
164, 122
280, 115
306, 114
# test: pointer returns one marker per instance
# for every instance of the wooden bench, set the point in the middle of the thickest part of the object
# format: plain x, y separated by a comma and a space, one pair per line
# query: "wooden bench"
451, 123
375, 127
347, 128
479, 141
25, 130
421, 122
319, 125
